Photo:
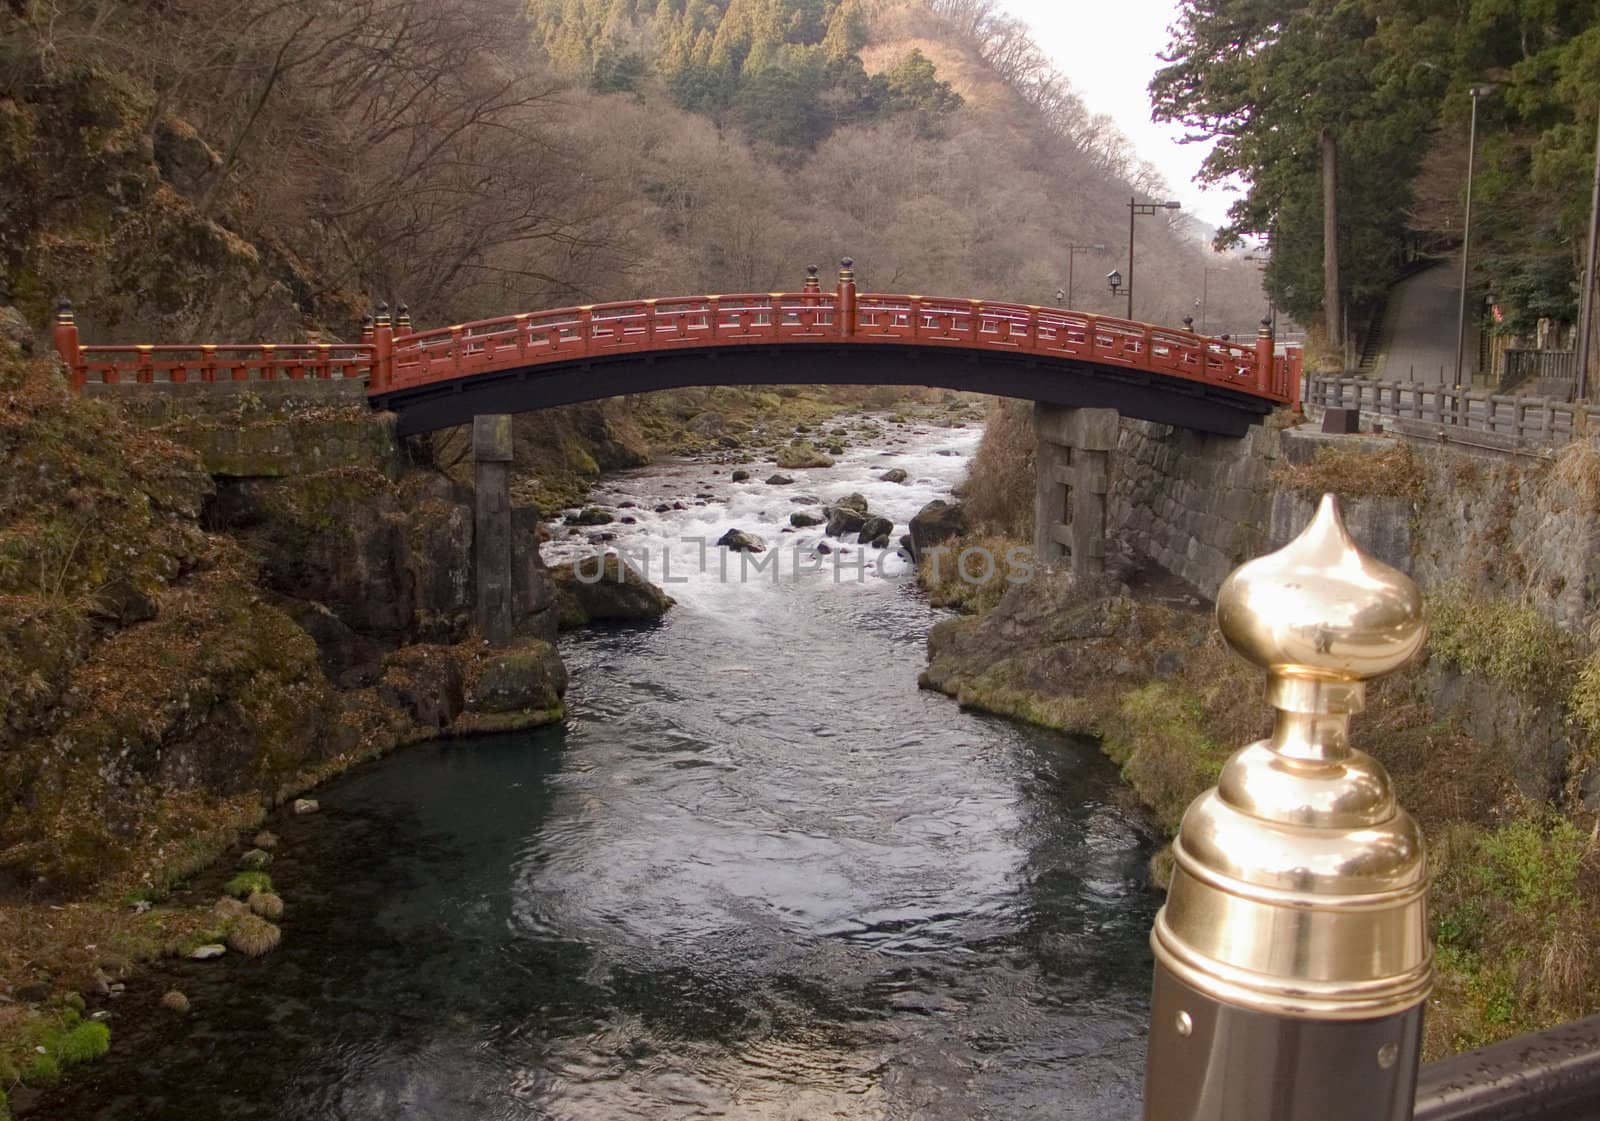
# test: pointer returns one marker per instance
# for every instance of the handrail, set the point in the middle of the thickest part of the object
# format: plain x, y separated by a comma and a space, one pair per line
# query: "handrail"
765, 318
1551, 1075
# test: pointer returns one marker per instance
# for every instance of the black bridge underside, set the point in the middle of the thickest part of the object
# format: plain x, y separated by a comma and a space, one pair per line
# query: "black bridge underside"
1054, 381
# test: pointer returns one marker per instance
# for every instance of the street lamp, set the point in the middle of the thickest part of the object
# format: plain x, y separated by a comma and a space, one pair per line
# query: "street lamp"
1072, 252
1135, 207
1114, 280
1466, 228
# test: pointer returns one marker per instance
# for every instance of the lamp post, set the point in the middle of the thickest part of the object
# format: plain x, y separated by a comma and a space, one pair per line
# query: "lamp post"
1072, 252
1135, 208
1466, 229
1114, 282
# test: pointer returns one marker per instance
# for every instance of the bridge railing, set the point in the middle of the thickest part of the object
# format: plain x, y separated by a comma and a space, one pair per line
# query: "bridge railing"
393, 357
146, 364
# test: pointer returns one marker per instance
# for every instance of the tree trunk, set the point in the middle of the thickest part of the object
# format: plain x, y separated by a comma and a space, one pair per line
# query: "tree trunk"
1330, 243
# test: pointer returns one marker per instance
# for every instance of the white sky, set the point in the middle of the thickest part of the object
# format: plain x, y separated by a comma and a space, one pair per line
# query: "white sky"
1107, 49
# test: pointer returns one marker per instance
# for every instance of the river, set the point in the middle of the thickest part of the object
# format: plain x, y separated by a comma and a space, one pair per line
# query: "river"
755, 875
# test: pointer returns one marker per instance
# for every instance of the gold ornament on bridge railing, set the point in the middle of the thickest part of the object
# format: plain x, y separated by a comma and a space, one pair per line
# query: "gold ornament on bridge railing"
1300, 884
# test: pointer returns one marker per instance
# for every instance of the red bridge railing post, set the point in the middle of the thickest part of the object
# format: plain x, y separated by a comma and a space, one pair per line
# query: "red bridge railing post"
66, 340
383, 350
1264, 350
847, 297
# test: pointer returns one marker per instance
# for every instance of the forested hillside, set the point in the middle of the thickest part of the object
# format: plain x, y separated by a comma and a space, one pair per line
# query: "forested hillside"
1380, 89
257, 169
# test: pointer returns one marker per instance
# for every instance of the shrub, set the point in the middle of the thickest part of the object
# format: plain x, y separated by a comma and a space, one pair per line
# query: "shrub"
254, 936
1504, 641
1355, 472
999, 488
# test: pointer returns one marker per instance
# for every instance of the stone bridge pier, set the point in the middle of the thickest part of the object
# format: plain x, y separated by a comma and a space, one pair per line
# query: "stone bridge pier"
1072, 460
492, 529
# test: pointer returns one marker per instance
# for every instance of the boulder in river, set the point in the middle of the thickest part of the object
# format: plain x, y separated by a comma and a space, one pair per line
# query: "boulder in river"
779, 480
802, 453
518, 688
934, 524
875, 527
894, 475
589, 515
741, 475
594, 589
803, 520
843, 520
739, 541
855, 501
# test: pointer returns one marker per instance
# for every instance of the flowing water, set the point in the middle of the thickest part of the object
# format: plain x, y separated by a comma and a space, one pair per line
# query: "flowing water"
757, 874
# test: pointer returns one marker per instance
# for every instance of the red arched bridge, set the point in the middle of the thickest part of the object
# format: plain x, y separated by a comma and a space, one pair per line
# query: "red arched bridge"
438, 378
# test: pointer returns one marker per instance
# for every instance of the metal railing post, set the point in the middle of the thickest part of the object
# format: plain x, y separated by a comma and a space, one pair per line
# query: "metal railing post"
66, 342
1292, 956
847, 297
383, 350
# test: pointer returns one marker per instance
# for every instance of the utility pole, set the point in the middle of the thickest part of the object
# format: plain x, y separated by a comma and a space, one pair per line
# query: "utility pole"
1135, 207
1466, 230
1330, 240
1586, 312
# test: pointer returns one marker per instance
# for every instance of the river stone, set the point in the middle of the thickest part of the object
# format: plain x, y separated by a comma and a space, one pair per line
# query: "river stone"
740, 475
894, 475
934, 524
875, 527
303, 806
739, 541
779, 480
207, 952
843, 520
620, 592
529, 678
855, 501
803, 520
589, 515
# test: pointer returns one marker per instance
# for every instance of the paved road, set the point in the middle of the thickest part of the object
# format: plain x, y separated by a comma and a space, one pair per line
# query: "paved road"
1419, 341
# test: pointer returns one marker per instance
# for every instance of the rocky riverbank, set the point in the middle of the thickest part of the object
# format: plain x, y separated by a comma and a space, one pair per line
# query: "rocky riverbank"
1488, 738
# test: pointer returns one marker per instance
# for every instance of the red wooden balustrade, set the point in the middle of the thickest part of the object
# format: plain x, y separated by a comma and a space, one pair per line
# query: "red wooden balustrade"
393, 361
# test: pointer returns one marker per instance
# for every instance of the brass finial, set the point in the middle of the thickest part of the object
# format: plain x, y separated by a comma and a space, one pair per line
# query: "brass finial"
1300, 884
402, 318
1265, 330
382, 318
812, 283
64, 311
1188, 323
847, 269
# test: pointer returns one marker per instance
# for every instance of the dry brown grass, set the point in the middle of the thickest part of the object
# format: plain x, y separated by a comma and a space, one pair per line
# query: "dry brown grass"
254, 936
970, 573
998, 492
1352, 472
1578, 468
266, 904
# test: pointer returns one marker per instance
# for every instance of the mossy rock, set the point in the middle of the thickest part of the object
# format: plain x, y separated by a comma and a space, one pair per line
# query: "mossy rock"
594, 589
802, 454
528, 678
246, 884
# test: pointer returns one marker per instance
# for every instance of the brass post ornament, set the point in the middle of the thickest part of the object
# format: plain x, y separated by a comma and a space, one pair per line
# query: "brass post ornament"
1292, 957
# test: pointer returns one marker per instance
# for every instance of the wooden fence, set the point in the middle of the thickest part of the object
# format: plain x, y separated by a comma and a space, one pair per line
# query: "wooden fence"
1475, 416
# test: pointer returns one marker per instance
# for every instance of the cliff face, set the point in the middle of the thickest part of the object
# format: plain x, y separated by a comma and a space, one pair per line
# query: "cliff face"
209, 602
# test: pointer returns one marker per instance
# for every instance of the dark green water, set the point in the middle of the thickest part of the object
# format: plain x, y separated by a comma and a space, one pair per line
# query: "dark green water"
757, 875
